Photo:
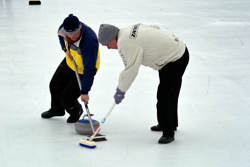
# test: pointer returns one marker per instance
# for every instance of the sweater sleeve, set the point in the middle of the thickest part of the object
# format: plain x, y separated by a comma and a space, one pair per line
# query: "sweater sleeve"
132, 58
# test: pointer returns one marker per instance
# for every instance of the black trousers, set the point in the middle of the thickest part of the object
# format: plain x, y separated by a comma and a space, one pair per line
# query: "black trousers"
64, 89
168, 93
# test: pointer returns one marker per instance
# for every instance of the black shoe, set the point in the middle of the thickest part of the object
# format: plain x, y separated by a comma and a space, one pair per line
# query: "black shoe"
165, 140
75, 117
48, 114
156, 128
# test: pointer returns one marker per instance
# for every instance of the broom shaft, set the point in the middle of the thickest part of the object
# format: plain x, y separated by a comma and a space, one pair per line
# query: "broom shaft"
85, 104
102, 122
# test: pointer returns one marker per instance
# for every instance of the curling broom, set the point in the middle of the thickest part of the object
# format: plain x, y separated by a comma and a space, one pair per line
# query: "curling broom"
34, 2
99, 137
89, 143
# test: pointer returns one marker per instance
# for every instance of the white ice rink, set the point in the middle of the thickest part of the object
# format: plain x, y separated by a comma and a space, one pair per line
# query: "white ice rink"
214, 103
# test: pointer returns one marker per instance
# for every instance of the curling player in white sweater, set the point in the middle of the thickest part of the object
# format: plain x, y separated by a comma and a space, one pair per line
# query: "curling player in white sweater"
149, 46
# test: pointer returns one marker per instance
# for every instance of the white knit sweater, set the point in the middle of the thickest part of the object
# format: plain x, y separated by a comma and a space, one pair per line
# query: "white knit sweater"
146, 45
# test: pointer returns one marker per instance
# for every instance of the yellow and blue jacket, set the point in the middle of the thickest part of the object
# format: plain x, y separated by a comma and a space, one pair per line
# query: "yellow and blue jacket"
86, 54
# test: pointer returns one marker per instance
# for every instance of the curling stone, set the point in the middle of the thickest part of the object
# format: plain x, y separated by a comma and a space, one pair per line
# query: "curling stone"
83, 126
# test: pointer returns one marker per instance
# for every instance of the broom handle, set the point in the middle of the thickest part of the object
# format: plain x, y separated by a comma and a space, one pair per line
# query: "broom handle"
80, 86
77, 76
102, 122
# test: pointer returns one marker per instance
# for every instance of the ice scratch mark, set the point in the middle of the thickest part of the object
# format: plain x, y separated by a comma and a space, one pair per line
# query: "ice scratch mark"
208, 85
223, 126
247, 25
110, 8
242, 142
240, 84
136, 106
241, 41
168, 29
24, 83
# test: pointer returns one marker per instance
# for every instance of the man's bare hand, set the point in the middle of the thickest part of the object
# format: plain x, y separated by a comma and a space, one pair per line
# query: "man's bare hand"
69, 55
85, 98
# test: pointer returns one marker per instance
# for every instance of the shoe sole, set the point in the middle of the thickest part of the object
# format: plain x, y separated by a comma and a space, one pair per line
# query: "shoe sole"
156, 130
166, 142
52, 116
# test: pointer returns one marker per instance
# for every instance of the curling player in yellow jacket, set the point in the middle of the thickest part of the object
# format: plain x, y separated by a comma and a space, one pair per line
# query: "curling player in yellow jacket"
79, 42
162, 51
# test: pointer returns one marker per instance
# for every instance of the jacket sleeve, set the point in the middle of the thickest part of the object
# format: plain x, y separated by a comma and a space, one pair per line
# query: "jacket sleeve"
132, 59
89, 59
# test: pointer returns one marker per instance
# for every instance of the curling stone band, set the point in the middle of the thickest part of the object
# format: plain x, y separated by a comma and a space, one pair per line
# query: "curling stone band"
83, 126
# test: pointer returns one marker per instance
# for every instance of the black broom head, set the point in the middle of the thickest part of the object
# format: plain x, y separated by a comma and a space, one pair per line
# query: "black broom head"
34, 2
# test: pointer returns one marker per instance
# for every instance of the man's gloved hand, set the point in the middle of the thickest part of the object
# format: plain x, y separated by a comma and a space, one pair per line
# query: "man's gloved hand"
119, 96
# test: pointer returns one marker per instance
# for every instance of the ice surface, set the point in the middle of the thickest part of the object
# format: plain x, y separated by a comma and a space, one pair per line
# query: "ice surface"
214, 102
